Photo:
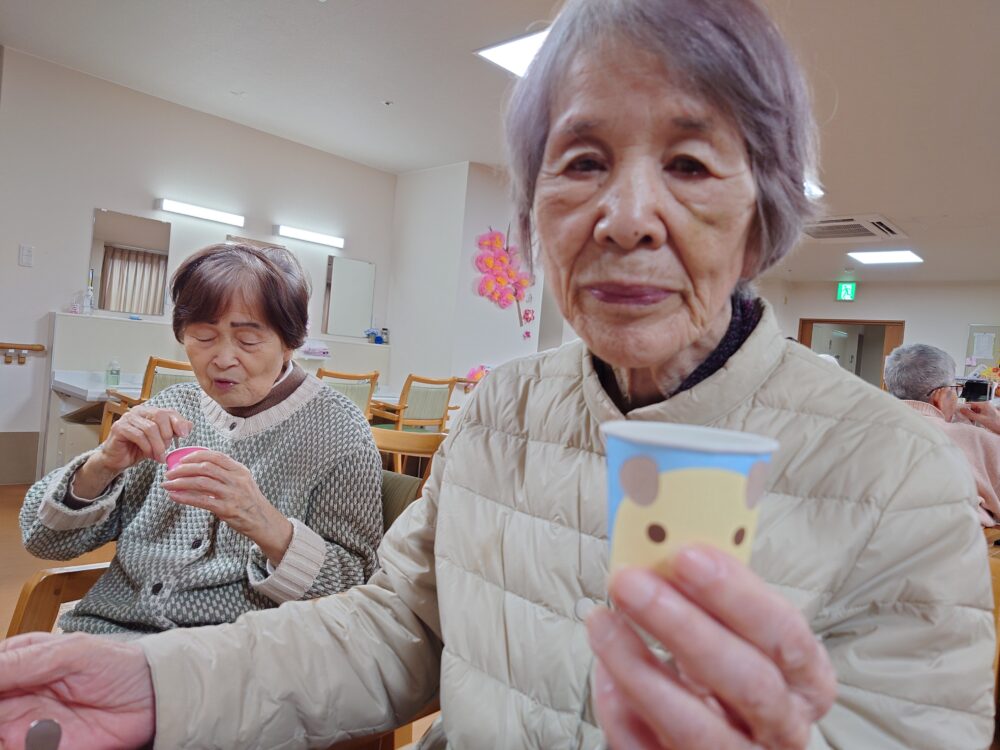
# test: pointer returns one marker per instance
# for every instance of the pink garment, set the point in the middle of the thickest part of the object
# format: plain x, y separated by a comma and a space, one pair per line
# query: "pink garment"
982, 448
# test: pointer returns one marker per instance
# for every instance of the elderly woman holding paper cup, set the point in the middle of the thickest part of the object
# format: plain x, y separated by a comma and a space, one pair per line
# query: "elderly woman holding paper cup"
659, 150
274, 494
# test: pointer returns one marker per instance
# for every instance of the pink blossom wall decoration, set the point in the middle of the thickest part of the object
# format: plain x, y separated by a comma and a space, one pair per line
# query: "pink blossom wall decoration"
502, 280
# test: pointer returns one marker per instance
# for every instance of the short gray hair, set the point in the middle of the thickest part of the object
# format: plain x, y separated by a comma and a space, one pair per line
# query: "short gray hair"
912, 372
731, 54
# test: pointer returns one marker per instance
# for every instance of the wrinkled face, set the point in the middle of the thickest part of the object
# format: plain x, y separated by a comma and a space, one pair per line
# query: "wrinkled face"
236, 358
643, 207
662, 511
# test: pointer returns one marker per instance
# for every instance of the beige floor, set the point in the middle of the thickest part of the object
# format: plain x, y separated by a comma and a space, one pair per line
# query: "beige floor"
17, 565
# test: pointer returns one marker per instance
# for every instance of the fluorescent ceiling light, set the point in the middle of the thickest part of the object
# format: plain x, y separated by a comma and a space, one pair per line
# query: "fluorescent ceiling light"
813, 191
305, 234
840, 333
887, 256
517, 54
188, 209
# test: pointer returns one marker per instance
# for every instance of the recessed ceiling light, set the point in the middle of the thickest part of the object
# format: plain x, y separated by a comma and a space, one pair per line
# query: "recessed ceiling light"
887, 256
517, 54
813, 191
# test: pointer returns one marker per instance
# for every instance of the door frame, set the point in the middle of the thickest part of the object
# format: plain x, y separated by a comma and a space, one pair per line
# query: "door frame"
894, 330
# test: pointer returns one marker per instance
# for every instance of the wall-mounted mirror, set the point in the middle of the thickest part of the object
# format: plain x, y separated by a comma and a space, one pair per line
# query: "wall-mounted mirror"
350, 290
128, 255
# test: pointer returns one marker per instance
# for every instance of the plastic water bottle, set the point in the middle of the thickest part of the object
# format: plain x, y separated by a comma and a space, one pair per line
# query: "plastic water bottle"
113, 375
87, 308
88, 296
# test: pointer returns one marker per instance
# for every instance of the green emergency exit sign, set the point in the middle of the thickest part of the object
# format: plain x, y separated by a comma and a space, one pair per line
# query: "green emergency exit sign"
846, 291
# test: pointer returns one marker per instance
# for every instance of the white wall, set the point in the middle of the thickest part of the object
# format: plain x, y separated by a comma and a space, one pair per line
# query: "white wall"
936, 314
776, 292
440, 326
482, 332
70, 143
427, 229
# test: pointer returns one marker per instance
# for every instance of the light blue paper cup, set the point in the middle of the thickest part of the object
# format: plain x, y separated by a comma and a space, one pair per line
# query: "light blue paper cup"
672, 484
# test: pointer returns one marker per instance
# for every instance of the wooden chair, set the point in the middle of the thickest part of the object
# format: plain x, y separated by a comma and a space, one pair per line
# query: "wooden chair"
359, 387
154, 380
423, 405
399, 444
38, 605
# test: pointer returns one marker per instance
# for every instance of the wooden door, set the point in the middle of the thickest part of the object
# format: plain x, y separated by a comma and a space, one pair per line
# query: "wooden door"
893, 339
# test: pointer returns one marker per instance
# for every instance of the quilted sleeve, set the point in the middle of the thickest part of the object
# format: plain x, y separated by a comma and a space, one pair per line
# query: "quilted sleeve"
312, 672
910, 631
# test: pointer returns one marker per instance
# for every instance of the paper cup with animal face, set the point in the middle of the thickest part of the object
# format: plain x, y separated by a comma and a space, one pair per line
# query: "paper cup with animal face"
671, 485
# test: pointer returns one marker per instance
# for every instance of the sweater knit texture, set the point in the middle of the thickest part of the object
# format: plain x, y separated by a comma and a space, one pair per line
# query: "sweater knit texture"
312, 456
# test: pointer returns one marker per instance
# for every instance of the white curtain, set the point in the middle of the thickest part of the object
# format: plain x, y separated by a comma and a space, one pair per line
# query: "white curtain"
132, 281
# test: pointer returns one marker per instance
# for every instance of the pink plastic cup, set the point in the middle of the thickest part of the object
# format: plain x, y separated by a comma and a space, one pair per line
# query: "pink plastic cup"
174, 457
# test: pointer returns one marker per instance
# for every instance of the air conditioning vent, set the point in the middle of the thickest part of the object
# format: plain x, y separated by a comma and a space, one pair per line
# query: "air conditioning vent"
868, 227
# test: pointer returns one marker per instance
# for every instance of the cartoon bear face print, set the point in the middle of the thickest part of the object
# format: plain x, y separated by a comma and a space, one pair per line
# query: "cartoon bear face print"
661, 511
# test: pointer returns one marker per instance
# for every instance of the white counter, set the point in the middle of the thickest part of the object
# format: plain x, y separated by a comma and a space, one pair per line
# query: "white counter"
87, 385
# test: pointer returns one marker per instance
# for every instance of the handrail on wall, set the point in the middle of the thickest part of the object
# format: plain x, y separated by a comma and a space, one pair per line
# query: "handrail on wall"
22, 350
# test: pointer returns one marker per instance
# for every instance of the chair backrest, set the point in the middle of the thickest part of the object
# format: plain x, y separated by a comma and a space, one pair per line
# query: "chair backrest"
420, 444
359, 387
155, 379
41, 596
398, 491
424, 401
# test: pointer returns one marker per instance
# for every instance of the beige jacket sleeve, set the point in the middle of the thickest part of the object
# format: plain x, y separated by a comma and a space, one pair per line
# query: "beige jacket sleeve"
311, 673
910, 630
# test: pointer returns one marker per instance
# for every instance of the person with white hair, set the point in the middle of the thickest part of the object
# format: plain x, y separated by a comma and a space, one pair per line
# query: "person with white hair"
923, 376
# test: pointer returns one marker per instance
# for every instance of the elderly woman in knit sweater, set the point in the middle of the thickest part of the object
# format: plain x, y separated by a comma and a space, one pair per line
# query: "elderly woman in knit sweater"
284, 504
924, 377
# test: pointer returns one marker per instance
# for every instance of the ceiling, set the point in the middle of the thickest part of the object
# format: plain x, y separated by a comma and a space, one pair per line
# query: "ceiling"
906, 91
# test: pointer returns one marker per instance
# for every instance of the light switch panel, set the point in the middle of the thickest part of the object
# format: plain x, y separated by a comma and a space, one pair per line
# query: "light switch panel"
25, 256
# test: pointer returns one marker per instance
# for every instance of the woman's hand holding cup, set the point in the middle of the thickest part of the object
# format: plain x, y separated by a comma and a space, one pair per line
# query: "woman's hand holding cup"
746, 670
142, 433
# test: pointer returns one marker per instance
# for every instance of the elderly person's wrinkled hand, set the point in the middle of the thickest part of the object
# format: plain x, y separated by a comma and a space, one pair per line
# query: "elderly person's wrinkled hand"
142, 433
983, 414
100, 691
747, 672
226, 488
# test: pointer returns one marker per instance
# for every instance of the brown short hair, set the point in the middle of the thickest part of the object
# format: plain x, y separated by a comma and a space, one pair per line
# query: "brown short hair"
204, 285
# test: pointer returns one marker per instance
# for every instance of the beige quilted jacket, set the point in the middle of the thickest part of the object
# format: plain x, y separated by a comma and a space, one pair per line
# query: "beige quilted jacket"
869, 527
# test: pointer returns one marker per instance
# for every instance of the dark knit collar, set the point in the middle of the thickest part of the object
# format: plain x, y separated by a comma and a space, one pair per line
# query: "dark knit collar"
285, 388
746, 315
747, 312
